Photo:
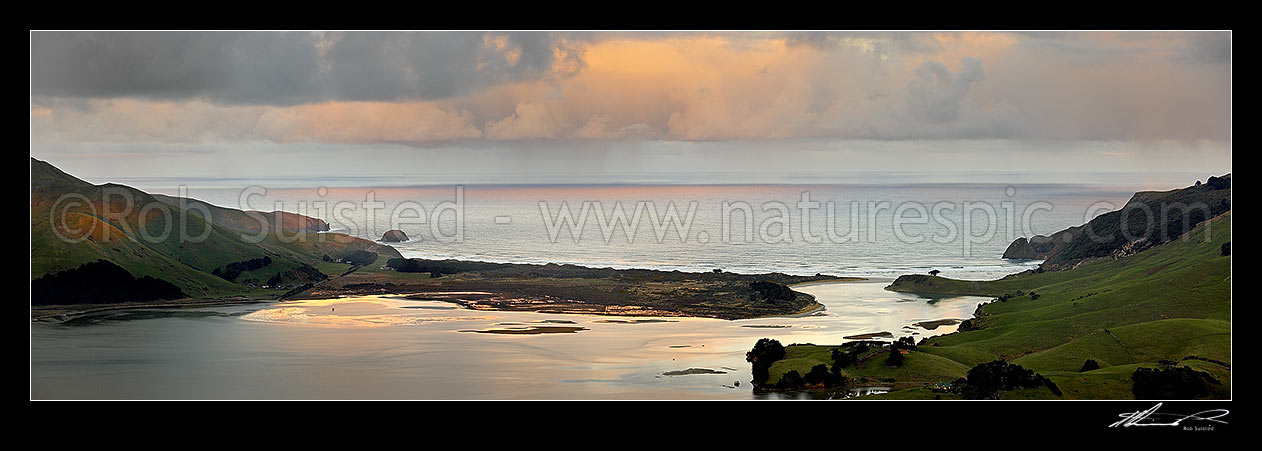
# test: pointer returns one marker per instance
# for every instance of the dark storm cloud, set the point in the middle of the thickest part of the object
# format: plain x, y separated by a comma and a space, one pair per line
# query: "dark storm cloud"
286, 68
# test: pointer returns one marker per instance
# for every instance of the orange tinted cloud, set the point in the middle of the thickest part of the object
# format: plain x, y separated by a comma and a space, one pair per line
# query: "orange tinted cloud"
749, 86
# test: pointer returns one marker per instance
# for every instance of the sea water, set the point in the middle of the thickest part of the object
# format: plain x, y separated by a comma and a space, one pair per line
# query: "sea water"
387, 347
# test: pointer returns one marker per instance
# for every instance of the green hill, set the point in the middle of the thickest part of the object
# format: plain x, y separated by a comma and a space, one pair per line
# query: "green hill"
1171, 302
1151, 302
74, 222
1148, 219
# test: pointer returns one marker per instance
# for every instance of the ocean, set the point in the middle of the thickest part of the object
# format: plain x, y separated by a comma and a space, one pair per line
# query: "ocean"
853, 229
384, 347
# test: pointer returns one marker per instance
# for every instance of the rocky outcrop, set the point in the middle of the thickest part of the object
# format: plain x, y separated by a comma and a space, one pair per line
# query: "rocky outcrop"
394, 236
1020, 250
1149, 218
1039, 247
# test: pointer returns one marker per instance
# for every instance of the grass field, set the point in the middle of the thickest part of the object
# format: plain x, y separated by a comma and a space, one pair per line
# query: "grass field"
918, 367
1168, 303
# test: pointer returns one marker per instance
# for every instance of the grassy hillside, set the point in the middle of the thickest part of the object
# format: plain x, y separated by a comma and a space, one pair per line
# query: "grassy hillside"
919, 368
74, 222
251, 221
1171, 302
1148, 219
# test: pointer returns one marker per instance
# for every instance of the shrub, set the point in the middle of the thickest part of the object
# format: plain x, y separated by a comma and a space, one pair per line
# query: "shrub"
302, 273
360, 257
895, 359
1089, 365
818, 375
842, 359
791, 379
987, 379
1171, 383
771, 291
232, 270
404, 265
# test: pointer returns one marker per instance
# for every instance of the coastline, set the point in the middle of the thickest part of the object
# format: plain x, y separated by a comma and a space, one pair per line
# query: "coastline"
483, 300
72, 311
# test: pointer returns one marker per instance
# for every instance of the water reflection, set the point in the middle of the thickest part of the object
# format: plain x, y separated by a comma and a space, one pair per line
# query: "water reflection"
391, 347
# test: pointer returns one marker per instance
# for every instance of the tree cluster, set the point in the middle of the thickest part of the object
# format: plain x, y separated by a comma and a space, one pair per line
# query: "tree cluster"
771, 291
765, 352
99, 282
302, 273
232, 270
1171, 383
359, 257
1089, 365
986, 380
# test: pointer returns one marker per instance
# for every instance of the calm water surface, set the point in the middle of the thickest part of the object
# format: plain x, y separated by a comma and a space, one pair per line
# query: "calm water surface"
385, 347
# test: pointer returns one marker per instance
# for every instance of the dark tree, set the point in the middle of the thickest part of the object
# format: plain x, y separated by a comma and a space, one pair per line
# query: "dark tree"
838, 379
302, 274
99, 282
790, 380
404, 265
1226, 249
987, 379
1171, 383
1089, 365
839, 358
934, 272
818, 375
895, 359
842, 359
232, 270
771, 291
360, 257
766, 352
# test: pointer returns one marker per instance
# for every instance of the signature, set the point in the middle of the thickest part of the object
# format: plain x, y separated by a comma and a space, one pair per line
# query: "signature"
1151, 417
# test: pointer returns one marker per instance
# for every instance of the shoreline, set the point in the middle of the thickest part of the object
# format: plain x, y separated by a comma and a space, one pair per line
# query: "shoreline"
71, 313
61, 313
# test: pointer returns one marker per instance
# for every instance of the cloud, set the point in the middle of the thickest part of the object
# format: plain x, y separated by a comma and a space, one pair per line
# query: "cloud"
1213, 47
288, 68
437, 87
126, 120
528, 121
935, 94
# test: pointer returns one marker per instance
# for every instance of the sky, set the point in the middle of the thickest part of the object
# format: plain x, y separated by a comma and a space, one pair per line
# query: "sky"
548, 107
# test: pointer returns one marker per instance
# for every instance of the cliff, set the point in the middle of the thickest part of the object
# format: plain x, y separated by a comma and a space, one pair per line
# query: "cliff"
1149, 218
